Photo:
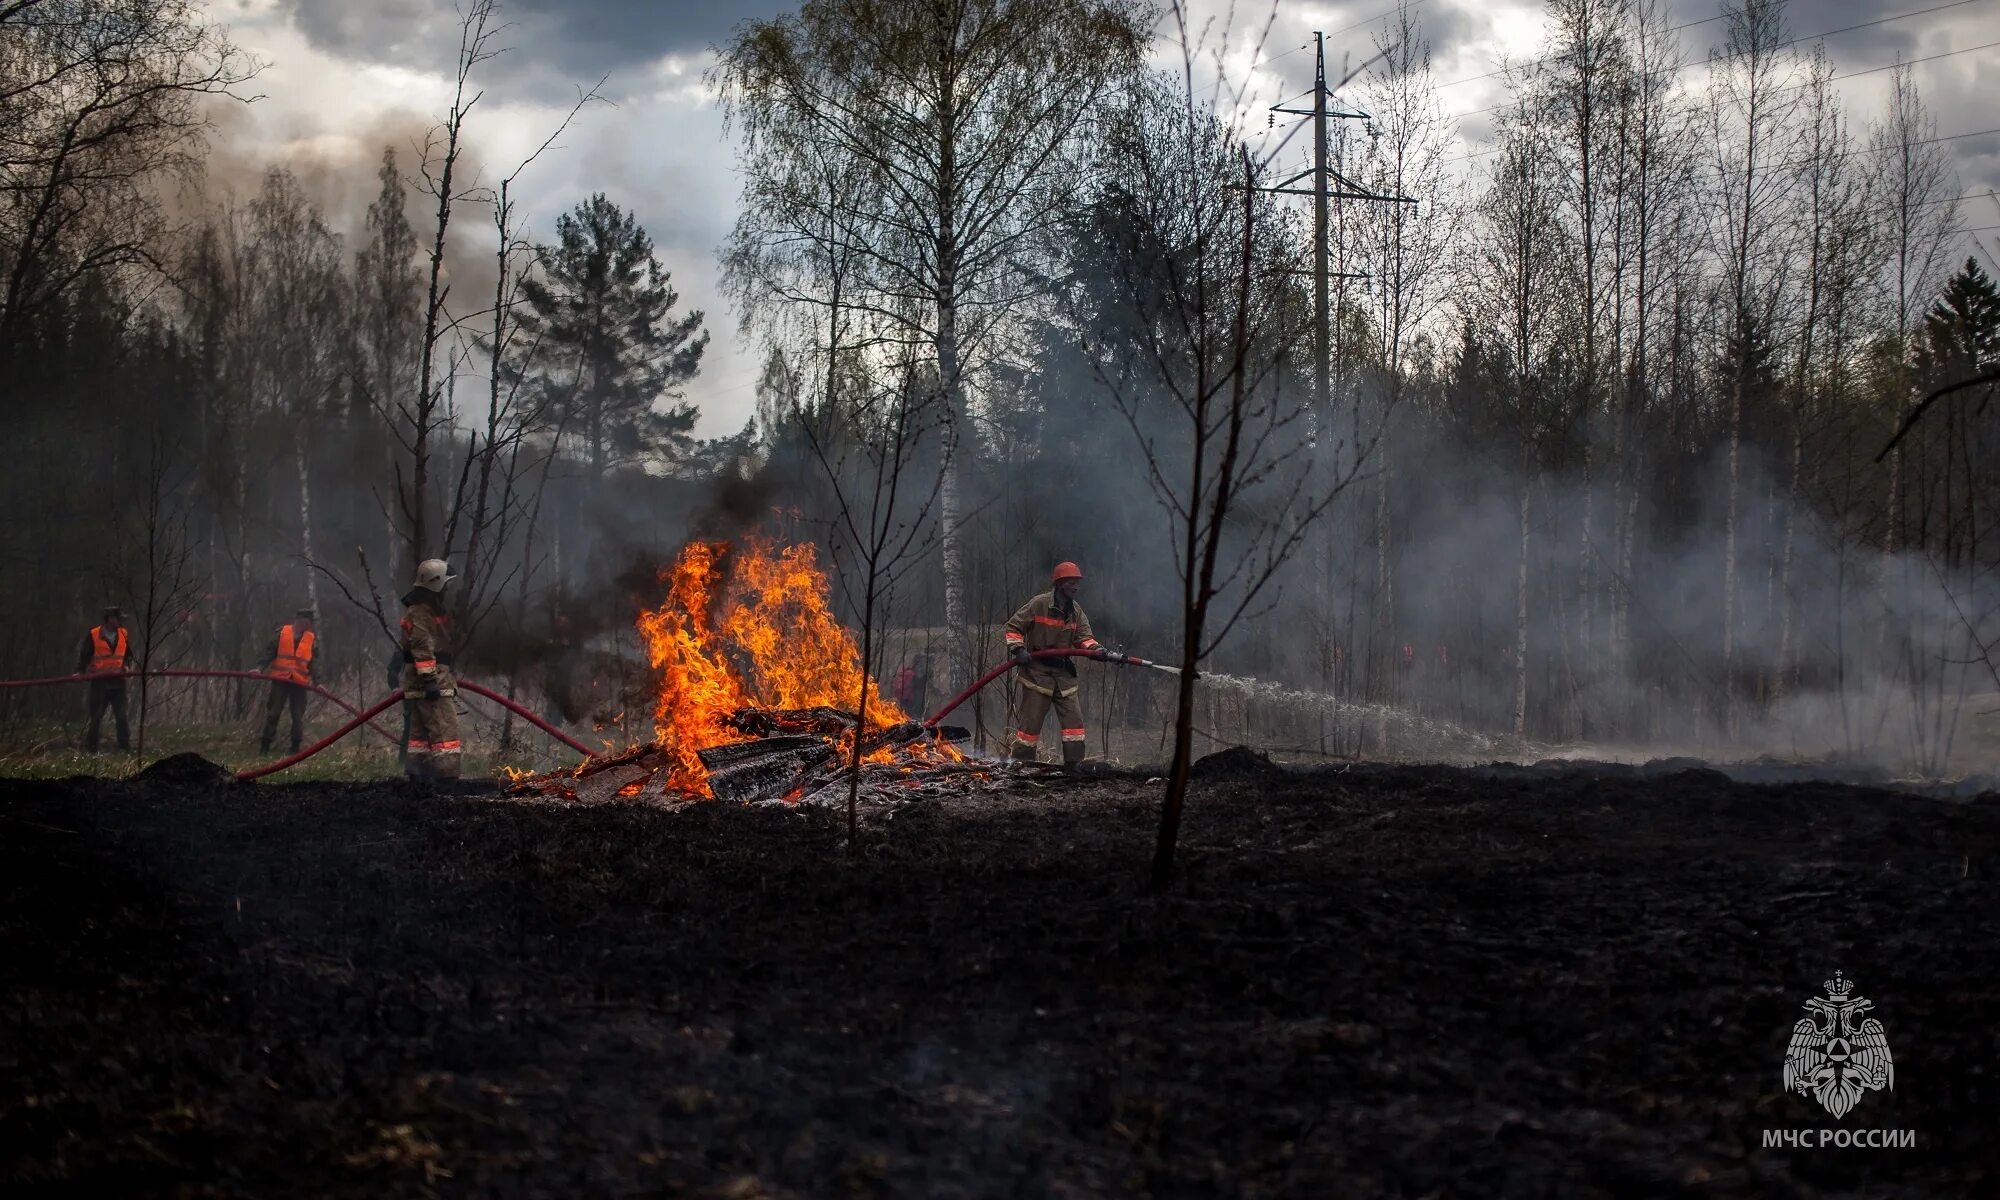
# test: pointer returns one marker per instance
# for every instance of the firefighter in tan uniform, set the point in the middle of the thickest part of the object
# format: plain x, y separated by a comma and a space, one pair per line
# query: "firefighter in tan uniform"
433, 748
1052, 620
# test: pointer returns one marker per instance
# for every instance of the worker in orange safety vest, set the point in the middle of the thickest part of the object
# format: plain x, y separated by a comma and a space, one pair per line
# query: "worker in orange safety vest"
107, 647
290, 656
1052, 620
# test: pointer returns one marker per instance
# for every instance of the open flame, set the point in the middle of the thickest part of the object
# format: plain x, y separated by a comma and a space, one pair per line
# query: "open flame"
744, 626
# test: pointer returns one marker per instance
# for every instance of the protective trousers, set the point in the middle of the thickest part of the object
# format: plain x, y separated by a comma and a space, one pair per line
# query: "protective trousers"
284, 695
432, 750
107, 693
1036, 697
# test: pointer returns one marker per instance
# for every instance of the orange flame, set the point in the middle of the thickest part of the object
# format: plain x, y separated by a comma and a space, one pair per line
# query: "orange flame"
748, 626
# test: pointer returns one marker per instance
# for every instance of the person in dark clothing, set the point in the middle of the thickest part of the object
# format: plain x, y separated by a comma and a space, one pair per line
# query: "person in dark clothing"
559, 672
106, 647
290, 656
920, 687
912, 685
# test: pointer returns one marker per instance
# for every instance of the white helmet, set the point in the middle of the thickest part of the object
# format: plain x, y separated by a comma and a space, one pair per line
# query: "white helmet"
433, 574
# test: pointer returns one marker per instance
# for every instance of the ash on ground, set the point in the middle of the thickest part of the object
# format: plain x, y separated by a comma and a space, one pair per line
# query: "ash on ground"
1365, 981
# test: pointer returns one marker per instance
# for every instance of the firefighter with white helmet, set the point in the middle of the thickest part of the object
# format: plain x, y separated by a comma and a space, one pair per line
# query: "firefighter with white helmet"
432, 750
1052, 620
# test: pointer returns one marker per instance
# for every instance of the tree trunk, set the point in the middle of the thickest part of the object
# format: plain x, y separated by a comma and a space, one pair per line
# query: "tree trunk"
1177, 770
1729, 548
1521, 616
951, 501
1385, 583
305, 521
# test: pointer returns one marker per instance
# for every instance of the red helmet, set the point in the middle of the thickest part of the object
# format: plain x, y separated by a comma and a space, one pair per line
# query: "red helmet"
1065, 570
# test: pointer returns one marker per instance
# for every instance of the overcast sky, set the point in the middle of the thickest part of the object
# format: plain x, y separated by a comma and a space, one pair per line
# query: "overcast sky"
344, 76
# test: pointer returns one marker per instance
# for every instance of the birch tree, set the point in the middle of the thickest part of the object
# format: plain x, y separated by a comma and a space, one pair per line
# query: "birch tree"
1837, 243
1582, 73
964, 124
1518, 291
1749, 114
101, 101
293, 290
1401, 249
388, 295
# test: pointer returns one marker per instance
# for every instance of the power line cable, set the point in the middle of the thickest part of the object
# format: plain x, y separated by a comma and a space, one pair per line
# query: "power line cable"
1908, 62
1725, 58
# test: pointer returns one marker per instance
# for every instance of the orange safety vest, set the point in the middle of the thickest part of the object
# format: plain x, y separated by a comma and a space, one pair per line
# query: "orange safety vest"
295, 655
104, 655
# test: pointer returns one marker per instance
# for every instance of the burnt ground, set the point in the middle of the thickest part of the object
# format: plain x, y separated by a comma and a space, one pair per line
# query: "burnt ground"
1384, 981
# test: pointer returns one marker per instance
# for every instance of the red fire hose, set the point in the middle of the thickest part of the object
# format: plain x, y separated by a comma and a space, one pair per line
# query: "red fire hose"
323, 743
189, 673
931, 721
531, 718
392, 698
360, 718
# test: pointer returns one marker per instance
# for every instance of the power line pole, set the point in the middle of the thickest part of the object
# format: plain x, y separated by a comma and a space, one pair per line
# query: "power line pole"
1327, 185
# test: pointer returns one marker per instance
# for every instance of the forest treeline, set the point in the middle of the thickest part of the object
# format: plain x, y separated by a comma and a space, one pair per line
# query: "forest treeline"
1605, 427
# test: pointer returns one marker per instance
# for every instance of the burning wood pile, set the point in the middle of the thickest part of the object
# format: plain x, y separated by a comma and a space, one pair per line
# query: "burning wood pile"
756, 693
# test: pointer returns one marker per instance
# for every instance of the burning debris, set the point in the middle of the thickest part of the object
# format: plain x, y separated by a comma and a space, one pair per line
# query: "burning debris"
756, 686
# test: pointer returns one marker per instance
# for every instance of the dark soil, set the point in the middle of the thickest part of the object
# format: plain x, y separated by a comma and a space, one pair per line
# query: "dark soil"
1394, 981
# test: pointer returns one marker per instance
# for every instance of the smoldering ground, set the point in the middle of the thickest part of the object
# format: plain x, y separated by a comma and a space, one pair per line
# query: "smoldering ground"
1376, 980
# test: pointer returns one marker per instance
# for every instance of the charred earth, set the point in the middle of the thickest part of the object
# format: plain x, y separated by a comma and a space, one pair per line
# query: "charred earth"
1372, 981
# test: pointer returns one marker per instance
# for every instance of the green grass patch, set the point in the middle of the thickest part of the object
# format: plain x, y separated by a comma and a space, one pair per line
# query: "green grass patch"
54, 750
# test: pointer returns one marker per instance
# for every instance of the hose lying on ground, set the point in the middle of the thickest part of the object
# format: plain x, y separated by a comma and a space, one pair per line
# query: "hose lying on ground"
189, 673
256, 772
524, 714
393, 697
360, 718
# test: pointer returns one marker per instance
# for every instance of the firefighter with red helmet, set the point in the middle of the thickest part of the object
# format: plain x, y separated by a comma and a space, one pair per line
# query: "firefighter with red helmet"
1050, 621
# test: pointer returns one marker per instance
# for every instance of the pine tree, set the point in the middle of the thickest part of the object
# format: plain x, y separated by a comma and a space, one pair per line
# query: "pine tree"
611, 349
1960, 335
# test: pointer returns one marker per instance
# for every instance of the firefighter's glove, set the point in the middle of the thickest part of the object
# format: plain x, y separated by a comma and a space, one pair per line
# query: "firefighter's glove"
433, 692
1021, 656
1112, 656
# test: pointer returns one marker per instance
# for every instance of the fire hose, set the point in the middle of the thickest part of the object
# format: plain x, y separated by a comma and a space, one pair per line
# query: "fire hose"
360, 718
1134, 660
393, 697
323, 743
189, 673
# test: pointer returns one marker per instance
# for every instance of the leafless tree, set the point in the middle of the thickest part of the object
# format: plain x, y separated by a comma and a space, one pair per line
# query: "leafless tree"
1750, 111
100, 100
421, 418
1200, 373
1401, 250
960, 129
165, 579
495, 469
1520, 292
883, 504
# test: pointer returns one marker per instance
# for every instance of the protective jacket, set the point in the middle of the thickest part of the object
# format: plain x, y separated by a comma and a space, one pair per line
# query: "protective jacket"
1043, 623
292, 654
103, 650
426, 643
1047, 623
432, 745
